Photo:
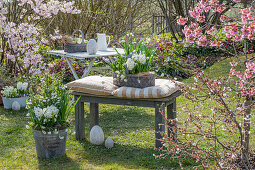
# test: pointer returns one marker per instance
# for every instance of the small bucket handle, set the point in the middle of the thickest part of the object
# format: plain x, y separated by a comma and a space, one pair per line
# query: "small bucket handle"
82, 34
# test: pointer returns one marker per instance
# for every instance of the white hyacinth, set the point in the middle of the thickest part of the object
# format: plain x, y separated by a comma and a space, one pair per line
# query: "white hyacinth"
51, 111
10, 92
135, 57
142, 59
48, 112
130, 64
122, 77
22, 86
39, 112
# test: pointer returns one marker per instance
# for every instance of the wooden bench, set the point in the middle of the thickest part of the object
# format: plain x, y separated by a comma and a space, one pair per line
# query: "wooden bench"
159, 105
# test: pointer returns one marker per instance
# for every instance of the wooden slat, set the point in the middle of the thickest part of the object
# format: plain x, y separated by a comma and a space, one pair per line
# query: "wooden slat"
79, 120
171, 114
159, 123
94, 116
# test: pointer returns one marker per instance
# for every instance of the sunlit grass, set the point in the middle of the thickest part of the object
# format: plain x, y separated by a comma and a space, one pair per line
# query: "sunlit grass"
131, 128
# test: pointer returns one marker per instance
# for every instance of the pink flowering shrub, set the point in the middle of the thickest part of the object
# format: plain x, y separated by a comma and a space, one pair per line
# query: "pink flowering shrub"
218, 135
21, 31
217, 127
180, 59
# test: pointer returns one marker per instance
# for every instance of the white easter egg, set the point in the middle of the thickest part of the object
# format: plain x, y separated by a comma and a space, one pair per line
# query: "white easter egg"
96, 135
109, 143
15, 106
92, 47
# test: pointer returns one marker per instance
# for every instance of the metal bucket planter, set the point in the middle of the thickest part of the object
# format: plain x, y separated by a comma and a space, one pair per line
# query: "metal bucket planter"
140, 80
8, 101
50, 145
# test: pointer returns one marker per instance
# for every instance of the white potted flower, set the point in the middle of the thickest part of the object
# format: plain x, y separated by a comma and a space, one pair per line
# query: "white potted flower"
49, 107
133, 69
11, 94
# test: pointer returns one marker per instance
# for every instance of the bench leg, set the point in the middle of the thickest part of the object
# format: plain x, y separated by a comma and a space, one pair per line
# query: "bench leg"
79, 120
94, 116
159, 110
171, 114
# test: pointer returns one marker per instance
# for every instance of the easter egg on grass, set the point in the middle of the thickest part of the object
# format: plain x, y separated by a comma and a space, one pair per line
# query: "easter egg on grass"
109, 143
96, 135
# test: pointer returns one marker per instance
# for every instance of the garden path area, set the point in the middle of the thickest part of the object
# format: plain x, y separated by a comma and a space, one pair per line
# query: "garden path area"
131, 128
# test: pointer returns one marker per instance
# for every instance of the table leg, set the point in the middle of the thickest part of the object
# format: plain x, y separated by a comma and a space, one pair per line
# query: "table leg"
72, 69
87, 70
159, 123
171, 114
79, 119
94, 116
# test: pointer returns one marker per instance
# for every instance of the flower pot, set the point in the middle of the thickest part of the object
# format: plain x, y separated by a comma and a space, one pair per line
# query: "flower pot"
8, 101
140, 80
50, 145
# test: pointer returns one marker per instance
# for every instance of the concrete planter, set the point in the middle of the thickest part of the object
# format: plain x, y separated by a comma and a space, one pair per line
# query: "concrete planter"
8, 101
50, 145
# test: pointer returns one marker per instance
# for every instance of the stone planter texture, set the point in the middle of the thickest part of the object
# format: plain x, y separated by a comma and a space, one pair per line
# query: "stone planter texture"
50, 145
8, 101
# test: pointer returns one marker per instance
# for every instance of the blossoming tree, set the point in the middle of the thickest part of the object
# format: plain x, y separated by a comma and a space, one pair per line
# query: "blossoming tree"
21, 32
221, 134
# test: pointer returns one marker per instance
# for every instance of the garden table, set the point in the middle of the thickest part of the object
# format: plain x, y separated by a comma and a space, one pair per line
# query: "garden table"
85, 56
159, 104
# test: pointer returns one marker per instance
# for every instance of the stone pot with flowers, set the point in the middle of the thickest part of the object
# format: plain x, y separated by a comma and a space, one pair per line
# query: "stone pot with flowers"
12, 95
133, 68
49, 107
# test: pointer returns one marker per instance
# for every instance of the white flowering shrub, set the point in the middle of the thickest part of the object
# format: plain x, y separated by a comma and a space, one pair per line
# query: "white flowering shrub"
137, 58
50, 105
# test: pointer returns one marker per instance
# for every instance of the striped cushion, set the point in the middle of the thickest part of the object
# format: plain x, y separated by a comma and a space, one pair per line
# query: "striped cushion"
93, 85
161, 89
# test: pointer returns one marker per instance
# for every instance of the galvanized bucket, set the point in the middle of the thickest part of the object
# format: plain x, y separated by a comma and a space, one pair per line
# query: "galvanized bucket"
50, 145
8, 101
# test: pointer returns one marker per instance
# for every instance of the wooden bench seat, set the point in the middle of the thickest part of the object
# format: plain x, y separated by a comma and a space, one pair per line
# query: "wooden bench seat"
158, 103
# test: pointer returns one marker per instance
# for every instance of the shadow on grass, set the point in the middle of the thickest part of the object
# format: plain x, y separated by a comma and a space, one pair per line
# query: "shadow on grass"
13, 130
124, 117
127, 156
133, 131
57, 163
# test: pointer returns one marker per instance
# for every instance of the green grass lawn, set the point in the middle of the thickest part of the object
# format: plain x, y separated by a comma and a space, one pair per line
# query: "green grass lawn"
131, 128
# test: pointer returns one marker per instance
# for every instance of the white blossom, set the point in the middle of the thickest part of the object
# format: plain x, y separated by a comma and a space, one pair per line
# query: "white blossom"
122, 77
130, 64
10, 92
51, 111
142, 59
22, 86
48, 112
135, 57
